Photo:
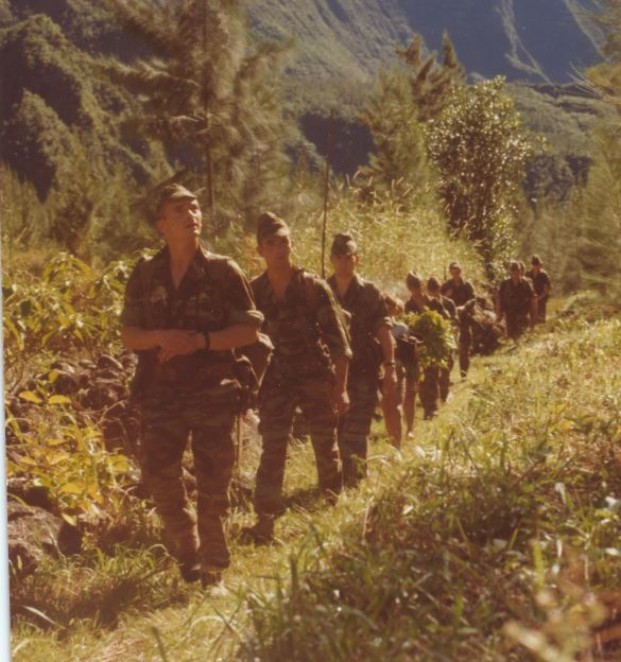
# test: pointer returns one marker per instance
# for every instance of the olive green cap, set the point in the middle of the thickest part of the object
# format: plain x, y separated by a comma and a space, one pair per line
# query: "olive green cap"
343, 244
270, 225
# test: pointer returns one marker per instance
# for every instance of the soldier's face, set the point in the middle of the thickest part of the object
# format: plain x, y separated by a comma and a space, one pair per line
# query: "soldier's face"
455, 273
344, 265
275, 250
180, 220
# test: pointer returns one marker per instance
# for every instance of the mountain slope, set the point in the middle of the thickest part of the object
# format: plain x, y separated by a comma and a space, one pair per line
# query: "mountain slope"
343, 43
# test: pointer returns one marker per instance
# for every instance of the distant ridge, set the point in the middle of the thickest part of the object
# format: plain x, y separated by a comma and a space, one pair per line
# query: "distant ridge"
346, 42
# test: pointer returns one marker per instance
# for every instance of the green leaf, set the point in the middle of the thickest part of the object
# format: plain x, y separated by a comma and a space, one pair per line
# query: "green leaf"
30, 396
59, 400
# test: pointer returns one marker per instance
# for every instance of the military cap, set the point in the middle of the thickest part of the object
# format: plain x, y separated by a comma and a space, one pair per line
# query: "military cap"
343, 244
536, 260
169, 193
269, 225
413, 281
433, 284
455, 265
514, 265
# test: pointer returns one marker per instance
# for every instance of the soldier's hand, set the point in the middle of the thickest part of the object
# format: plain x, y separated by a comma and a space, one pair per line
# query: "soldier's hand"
177, 342
340, 401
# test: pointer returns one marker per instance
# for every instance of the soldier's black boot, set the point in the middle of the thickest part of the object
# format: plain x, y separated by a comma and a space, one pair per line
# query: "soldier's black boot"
261, 533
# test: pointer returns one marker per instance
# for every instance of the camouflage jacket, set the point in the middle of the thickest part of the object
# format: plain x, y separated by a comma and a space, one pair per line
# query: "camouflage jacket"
460, 293
213, 295
366, 305
305, 326
430, 304
540, 281
516, 298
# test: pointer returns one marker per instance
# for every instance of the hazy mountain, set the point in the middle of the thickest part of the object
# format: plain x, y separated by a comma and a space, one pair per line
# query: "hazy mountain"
348, 41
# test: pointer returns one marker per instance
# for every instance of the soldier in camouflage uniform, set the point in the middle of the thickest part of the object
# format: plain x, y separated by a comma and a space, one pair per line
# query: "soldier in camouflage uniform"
460, 291
448, 310
308, 370
429, 387
185, 311
516, 302
542, 286
373, 349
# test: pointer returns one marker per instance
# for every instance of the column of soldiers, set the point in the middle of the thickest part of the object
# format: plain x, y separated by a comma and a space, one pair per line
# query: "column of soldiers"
188, 314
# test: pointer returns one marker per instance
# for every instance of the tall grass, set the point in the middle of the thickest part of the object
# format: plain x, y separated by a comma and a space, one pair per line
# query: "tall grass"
494, 537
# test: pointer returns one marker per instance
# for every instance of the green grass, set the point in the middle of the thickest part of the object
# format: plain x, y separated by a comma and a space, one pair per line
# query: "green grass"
495, 536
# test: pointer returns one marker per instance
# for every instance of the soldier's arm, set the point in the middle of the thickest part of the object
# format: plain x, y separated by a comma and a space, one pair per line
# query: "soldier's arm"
242, 318
333, 332
135, 335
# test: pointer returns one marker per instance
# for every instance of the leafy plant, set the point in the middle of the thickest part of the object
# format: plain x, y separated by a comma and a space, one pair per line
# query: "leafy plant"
479, 149
437, 337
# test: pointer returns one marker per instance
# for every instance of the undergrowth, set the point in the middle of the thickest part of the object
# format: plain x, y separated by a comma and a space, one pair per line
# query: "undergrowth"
495, 536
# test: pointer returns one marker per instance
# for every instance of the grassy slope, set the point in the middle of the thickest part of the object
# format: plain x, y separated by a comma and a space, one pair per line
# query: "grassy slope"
506, 510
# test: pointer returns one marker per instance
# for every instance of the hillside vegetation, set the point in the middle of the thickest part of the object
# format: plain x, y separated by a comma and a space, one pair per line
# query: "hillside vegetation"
495, 534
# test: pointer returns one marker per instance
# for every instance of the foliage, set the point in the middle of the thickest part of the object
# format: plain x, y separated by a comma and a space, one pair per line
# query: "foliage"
210, 96
70, 307
479, 149
432, 83
404, 100
57, 133
391, 238
481, 547
598, 244
391, 116
436, 334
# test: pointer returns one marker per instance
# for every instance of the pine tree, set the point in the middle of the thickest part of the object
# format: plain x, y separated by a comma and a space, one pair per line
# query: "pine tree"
404, 101
209, 95
432, 82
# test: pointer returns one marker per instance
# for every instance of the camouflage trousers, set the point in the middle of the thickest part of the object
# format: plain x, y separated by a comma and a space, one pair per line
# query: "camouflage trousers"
542, 305
516, 325
167, 425
355, 425
429, 391
465, 342
444, 378
278, 400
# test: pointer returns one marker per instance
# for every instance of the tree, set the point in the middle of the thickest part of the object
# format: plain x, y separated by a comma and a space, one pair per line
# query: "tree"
209, 95
479, 150
392, 118
432, 82
55, 129
404, 100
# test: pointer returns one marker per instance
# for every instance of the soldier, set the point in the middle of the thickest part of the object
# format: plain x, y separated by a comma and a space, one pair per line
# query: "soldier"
392, 409
516, 302
308, 369
373, 351
428, 389
460, 291
185, 311
447, 309
542, 286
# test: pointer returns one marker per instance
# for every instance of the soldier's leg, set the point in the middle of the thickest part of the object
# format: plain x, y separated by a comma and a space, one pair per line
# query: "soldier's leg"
213, 448
317, 408
444, 379
429, 392
409, 397
164, 436
465, 340
354, 428
276, 408
541, 310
